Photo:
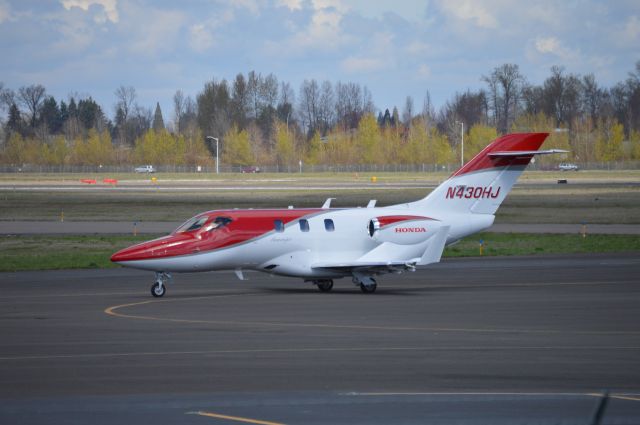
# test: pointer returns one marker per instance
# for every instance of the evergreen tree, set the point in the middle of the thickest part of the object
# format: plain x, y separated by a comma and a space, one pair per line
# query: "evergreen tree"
158, 122
50, 115
386, 119
15, 124
395, 117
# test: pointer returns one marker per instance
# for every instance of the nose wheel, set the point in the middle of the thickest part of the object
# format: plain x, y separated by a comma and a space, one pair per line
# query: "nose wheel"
158, 289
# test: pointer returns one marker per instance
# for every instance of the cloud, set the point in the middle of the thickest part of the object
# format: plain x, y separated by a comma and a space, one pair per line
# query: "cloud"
200, 38
159, 33
323, 32
290, 4
109, 7
551, 45
424, 71
5, 11
632, 28
469, 11
355, 65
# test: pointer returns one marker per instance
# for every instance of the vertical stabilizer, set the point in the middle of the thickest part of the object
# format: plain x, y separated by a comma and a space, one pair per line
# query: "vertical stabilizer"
482, 184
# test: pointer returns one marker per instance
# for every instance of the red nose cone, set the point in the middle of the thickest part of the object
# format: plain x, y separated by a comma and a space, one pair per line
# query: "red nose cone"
126, 254
164, 247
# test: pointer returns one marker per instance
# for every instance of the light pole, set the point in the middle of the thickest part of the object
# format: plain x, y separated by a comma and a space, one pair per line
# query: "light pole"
461, 142
217, 153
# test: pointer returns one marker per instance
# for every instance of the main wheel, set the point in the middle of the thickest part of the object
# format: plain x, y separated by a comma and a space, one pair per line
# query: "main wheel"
158, 290
325, 285
368, 289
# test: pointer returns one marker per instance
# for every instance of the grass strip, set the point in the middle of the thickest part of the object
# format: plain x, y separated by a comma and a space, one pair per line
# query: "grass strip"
49, 252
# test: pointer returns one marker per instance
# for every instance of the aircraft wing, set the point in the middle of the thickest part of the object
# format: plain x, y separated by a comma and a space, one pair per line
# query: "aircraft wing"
367, 266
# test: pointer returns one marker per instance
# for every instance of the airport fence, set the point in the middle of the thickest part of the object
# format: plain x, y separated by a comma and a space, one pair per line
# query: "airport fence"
322, 168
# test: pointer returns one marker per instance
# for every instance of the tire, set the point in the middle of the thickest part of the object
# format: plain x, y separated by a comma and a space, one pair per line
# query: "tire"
368, 289
325, 285
158, 291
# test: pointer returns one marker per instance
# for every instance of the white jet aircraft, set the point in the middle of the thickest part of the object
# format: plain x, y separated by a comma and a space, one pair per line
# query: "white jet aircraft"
322, 244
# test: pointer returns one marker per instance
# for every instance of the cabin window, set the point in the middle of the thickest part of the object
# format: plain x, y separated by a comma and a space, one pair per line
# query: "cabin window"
304, 225
328, 225
278, 225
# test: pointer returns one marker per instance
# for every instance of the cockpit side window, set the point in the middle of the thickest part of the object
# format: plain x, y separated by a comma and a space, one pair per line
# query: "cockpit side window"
193, 224
218, 223
278, 226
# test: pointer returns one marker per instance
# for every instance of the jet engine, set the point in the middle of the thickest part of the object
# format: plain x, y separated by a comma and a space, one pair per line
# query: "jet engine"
402, 230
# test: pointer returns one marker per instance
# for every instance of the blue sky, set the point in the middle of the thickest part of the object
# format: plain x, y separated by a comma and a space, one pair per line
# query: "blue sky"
399, 48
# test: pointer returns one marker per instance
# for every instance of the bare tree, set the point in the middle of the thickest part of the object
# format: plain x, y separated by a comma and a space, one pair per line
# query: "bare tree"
125, 98
428, 112
253, 93
593, 97
326, 107
562, 95
309, 100
32, 97
178, 109
505, 86
407, 111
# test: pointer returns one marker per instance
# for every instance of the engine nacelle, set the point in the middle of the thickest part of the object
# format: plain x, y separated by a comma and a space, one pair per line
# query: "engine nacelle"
402, 230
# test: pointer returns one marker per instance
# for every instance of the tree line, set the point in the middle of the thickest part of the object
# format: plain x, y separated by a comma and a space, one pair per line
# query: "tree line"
261, 120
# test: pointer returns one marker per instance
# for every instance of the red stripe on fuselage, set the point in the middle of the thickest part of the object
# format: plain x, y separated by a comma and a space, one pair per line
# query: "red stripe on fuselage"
387, 220
245, 226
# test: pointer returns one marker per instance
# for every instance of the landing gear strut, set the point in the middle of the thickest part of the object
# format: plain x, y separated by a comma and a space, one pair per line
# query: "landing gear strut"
324, 285
158, 289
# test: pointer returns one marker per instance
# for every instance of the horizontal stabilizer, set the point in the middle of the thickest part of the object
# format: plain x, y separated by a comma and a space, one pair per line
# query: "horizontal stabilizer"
512, 154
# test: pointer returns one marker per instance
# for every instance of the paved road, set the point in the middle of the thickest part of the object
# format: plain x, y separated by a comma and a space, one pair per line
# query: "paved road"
121, 227
494, 340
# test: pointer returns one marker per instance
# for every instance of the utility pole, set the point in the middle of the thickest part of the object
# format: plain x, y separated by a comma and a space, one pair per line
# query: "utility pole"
461, 142
217, 153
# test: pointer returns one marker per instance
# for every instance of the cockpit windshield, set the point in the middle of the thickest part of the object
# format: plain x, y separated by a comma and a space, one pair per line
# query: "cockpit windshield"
198, 222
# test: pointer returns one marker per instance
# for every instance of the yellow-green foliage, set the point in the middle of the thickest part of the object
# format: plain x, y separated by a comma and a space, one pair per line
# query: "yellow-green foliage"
478, 138
161, 147
96, 149
368, 140
285, 152
634, 138
236, 149
609, 142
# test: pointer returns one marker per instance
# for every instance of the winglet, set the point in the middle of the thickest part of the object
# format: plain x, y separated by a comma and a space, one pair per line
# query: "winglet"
433, 253
372, 203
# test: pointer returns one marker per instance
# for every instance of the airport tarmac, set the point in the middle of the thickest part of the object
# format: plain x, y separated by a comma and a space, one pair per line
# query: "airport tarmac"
468, 341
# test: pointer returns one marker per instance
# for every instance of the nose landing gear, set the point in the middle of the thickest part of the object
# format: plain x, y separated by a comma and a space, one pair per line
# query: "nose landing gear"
158, 289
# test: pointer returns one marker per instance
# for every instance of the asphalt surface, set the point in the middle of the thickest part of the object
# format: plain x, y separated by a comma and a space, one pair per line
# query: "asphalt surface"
123, 227
492, 340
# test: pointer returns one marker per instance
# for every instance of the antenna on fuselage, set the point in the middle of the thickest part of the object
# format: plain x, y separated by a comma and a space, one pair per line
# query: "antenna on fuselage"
327, 203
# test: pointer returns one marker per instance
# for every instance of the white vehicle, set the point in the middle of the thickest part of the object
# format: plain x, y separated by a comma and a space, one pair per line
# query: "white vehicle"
145, 169
323, 244
566, 166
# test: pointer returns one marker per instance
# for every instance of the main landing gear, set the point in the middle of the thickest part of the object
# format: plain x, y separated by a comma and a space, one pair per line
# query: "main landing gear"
158, 289
324, 285
368, 285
